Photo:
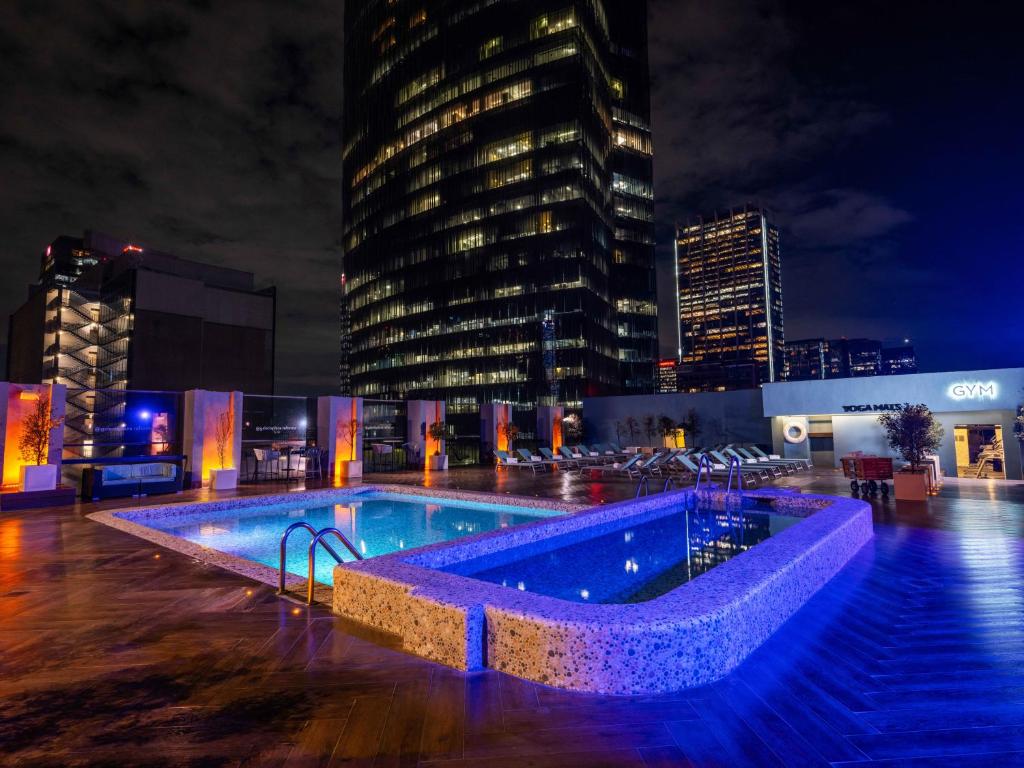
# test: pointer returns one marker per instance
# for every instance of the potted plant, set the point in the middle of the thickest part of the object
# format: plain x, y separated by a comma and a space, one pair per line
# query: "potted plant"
438, 431
913, 432
572, 429
348, 431
34, 445
691, 426
225, 477
510, 432
667, 428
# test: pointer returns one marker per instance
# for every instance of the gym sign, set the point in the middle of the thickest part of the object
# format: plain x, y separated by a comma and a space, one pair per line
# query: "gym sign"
973, 390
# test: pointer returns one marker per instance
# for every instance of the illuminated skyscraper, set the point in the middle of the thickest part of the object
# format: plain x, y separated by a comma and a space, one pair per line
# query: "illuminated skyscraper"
729, 283
498, 200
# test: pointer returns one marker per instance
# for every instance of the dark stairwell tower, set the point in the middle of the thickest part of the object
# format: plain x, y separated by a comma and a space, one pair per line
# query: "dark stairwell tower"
498, 179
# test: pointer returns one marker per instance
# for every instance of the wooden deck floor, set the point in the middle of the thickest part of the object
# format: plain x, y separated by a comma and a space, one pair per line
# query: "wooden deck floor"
116, 652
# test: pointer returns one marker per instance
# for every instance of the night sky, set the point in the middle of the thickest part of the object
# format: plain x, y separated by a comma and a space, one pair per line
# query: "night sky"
887, 136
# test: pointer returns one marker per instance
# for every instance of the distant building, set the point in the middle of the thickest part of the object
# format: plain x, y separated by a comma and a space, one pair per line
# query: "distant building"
729, 287
668, 380
810, 359
108, 316
899, 360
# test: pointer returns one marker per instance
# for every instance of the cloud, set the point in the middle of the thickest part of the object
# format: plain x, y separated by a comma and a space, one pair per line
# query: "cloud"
209, 130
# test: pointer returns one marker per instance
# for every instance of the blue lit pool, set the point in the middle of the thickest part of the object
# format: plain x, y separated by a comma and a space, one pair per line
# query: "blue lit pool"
632, 564
376, 523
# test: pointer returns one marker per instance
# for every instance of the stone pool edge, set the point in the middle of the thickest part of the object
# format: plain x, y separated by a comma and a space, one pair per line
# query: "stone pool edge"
265, 574
690, 636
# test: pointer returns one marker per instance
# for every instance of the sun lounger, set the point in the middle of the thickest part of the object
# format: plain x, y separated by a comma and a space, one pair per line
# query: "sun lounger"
538, 462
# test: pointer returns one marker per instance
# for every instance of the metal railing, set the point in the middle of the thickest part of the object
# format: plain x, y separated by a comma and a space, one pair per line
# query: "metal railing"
704, 460
735, 465
318, 538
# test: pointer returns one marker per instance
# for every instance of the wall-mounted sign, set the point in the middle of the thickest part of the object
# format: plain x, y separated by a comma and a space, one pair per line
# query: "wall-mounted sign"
973, 390
876, 408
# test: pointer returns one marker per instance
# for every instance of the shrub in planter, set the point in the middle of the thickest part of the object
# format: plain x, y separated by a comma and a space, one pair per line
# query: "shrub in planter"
913, 432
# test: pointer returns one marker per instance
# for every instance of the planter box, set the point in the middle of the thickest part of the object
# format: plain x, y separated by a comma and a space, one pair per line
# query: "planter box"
439, 463
41, 478
351, 469
911, 486
223, 479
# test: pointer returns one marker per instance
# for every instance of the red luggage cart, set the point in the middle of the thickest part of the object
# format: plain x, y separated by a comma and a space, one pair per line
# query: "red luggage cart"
867, 474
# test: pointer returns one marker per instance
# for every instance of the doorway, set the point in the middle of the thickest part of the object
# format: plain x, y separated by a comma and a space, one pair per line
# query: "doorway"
979, 451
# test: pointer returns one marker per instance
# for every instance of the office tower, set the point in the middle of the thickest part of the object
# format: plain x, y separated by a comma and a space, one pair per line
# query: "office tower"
729, 284
845, 358
897, 361
498, 201
668, 381
108, 316
809, 359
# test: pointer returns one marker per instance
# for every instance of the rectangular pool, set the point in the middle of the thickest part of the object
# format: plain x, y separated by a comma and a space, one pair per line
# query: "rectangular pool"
633, 564
376, 523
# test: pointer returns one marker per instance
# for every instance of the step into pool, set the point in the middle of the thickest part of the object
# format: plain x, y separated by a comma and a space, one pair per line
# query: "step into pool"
636, 564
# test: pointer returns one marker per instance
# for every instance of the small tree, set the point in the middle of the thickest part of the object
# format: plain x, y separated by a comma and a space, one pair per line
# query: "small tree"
224, 435
691, 425
620, 431
667, 428
1018, 424
572, 429
438, 431
510, 432
650, 428
349, 432
35, 438
633, 427
913, 432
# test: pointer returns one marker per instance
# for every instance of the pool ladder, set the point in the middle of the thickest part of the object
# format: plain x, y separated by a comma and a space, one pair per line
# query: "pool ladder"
318, 538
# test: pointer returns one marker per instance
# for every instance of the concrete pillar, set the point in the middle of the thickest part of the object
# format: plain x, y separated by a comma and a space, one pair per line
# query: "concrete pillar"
420, 414
335, 434
17, 401
549, 425
492, 417
204, 412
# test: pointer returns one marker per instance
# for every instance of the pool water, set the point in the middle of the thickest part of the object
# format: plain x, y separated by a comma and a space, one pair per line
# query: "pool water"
636, 563
376, 524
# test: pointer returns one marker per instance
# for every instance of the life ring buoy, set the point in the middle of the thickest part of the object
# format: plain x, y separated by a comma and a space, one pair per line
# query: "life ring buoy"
794, 432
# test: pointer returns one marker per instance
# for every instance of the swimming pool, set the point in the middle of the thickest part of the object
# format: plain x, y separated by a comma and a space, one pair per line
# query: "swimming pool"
376, 522
636, 564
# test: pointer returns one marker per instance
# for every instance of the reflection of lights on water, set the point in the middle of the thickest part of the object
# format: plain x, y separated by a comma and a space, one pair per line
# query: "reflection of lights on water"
362, 546
504, 582
627, 536
632, 566
521, 586
585, 594
401, 544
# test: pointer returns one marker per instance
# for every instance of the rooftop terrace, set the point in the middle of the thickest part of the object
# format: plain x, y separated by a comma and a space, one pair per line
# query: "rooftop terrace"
115, 651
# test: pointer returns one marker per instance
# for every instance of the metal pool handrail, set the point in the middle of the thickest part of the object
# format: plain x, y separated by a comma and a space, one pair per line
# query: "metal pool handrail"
284, 549
643, 485
704, 460
319, 539
734, 464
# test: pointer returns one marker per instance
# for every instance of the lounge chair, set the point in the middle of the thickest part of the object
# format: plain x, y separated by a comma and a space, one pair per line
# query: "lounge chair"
511, 462
778, 469
760, 455
586, 455
629, 468
572, 459
764, 474
537, 461
558, 461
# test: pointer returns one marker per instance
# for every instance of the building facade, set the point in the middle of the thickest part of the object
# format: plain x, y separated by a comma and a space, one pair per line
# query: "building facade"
729, 288
668, 376
498, 201
108, 316
810, 359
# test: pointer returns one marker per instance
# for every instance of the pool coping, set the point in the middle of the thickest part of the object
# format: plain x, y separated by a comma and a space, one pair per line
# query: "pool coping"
693, 635
265, 573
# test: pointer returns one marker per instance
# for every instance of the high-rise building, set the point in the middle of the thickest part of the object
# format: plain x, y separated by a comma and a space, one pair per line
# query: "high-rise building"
668, 378
498, 200
846, 358
108, 316
729, 288
899, 360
